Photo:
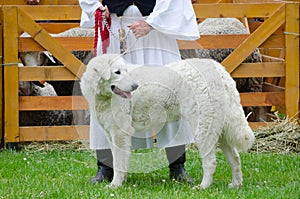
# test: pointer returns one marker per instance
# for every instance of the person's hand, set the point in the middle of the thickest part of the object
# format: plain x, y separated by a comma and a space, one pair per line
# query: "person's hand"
140, 28
32, 2
105, 11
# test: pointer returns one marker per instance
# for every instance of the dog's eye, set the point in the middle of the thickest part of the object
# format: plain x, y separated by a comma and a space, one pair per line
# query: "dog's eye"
117, 72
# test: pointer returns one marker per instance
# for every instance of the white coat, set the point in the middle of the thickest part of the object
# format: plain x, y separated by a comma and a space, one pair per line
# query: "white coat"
171, 20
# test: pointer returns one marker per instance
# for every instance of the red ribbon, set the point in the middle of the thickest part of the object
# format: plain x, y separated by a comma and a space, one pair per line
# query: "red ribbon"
103, 32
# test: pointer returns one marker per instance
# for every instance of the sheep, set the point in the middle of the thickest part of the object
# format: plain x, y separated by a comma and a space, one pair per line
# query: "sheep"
41, 118
62, 88
216, 26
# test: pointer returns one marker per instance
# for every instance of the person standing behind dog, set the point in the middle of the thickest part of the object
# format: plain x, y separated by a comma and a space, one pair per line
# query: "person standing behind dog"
145, 32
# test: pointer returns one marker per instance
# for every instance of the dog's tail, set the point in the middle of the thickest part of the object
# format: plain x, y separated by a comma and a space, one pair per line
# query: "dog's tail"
242, 137
245, 139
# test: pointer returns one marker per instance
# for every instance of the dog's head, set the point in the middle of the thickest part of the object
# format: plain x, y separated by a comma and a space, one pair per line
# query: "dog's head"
113, 78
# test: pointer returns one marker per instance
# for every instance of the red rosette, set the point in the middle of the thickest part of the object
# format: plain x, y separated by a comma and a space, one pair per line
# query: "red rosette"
104, 32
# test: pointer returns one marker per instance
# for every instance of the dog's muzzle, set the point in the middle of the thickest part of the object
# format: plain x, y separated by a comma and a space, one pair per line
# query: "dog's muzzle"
122, 93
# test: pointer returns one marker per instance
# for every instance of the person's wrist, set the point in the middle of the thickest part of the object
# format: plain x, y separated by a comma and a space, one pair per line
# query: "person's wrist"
149, 26
101, 8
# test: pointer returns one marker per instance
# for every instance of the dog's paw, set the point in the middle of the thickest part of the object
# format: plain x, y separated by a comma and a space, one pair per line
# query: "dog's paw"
200, 187
113, 186
116, 183
234, 185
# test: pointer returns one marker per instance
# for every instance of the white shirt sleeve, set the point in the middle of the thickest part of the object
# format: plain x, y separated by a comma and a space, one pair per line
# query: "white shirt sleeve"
88, 9
175, 18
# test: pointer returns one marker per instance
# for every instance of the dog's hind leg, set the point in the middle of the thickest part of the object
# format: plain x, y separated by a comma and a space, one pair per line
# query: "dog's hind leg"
121, 156
209, 164
234, 161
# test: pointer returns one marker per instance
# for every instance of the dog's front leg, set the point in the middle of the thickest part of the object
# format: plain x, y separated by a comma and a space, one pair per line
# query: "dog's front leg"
121, 143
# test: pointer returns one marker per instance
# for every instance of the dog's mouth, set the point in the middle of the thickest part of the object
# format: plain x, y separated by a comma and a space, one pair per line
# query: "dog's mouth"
118, 91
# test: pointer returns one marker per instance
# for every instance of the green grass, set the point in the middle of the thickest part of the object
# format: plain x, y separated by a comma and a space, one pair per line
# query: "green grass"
66, 174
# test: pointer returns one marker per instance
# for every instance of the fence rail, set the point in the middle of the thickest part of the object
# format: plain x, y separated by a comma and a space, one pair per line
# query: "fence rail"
278, 33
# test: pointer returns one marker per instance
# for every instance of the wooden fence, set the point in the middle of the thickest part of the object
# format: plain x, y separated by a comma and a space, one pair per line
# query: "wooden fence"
279, 32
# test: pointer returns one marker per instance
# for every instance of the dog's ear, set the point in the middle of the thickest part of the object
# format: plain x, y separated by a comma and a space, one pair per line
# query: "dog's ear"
106, 74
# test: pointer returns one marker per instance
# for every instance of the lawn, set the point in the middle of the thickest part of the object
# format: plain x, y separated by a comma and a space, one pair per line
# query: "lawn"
65, 173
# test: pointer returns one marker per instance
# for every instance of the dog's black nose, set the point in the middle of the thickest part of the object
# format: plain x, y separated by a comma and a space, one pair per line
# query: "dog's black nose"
134, 86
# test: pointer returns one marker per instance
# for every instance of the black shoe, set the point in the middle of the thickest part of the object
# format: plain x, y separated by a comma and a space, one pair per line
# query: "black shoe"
178, 173
104, 173
176, 157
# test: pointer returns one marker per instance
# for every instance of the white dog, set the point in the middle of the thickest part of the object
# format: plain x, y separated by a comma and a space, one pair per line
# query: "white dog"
129, 98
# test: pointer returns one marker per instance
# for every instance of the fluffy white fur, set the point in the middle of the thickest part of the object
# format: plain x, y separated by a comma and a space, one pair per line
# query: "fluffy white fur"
198, 90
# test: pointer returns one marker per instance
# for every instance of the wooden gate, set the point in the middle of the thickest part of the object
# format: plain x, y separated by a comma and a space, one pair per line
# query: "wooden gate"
21, 18
280, 30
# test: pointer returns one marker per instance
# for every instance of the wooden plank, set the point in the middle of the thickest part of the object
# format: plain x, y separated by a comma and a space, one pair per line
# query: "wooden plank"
39, 103
254, 40
53, 12
56, 133
228, 41
213, 41
266, 69
235, 10
69, 43
206, 1
262, 98
47, 133
276, 81
253, 1
272, 52
79, 103
11, 104
268, 87
43, 2
45, 73
292, 59
267, 58
58, 27
86, 43
206, 41
51, 44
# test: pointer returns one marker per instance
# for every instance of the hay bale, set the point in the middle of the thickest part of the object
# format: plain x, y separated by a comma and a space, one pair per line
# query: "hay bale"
283, 136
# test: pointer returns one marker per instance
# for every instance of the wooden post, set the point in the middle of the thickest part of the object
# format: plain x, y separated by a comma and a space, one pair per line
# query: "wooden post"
292, 59
1, 85
11, 104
